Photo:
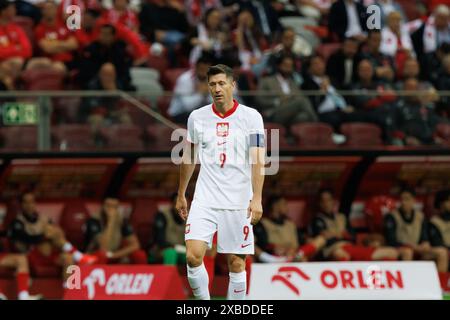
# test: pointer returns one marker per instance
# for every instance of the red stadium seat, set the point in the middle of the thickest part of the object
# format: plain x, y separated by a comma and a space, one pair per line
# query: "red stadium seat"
123, 137
269, 126
159, 137
138, 116
375, 209
51, 210
362, 135
159, 63
73, 218
142, 219
313, 135
43, 79
170, 76
73, 137
18, 138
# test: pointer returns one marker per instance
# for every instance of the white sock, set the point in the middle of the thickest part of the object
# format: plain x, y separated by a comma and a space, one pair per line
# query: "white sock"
199, 281
77, 255
237, 288
23, 295
268, 258
68, 248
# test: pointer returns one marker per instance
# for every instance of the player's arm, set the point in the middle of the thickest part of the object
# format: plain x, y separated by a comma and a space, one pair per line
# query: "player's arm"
258, 155
132, 244
187, 168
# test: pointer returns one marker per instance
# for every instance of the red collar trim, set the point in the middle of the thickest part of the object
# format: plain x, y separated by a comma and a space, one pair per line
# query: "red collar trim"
228, 113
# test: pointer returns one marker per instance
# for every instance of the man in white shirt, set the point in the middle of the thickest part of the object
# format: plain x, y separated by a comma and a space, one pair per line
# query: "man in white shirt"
191, 91
228, 195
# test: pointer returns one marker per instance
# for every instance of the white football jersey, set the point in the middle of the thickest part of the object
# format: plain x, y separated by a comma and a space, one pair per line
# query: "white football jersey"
224, 142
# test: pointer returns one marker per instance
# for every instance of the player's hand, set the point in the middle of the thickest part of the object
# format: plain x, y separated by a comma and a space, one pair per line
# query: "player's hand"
181, 207
255, 211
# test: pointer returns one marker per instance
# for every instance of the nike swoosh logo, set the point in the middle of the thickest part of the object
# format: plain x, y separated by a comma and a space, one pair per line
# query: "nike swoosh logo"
221, 143
236, 291
246, 245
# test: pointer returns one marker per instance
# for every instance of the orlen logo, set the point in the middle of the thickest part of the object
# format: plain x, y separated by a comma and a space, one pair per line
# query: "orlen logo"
118, 284
284, 275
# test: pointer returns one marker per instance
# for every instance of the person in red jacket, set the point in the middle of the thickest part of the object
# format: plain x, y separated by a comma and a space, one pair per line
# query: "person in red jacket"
90, 30
56, 43
121, 14
15, 47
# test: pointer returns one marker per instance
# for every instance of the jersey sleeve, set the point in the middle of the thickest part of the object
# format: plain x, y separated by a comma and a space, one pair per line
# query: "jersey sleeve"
256, 131
191, 134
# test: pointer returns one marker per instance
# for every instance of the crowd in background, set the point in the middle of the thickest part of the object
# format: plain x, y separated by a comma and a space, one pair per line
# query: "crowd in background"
282, 48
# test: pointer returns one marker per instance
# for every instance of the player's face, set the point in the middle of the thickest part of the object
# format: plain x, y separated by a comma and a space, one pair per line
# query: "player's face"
221, 89
407, 201
327, 203
28, 204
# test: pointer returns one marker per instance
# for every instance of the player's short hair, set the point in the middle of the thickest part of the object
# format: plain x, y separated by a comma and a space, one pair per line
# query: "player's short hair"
409, 190
325, 190
440, 197
220, 69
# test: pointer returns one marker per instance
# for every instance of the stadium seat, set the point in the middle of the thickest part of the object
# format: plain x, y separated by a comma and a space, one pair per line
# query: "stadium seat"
142, 218
73, 137
51, 210
283, 144
297, 213
43, 79
375, 209
18, 138
122, 137
73, 218
147, 80
159, 137
170, 76
138, 116
313, 135
159, 63
361, 135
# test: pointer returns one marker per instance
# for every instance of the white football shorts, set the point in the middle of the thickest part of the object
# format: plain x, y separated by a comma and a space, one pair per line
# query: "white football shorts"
234, 230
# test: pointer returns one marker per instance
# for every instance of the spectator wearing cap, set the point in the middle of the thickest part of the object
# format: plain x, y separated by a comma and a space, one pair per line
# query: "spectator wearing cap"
15, 48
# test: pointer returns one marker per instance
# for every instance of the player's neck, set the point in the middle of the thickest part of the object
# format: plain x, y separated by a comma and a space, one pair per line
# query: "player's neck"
223, 108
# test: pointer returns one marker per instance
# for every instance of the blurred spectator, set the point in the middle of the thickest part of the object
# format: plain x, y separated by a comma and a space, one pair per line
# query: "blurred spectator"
341, 65
440, 223
15, 47
336, 229
396, 40
348, 18
165, 22
45, 244
105, 65
406, 229
383, 65
56, 43
110, 236
191, 91
434, 32
210, 36
386, 7
29, 8
379, 108
416, 117
91, 25
266, 17
196, 9
249, 40
19, 263
277, 237
285, 48
331, 106
121, 14
443, 83
287, 105
169, 235
432, 65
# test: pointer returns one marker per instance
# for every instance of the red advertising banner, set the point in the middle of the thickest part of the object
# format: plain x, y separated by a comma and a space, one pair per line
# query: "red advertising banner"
125, 282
